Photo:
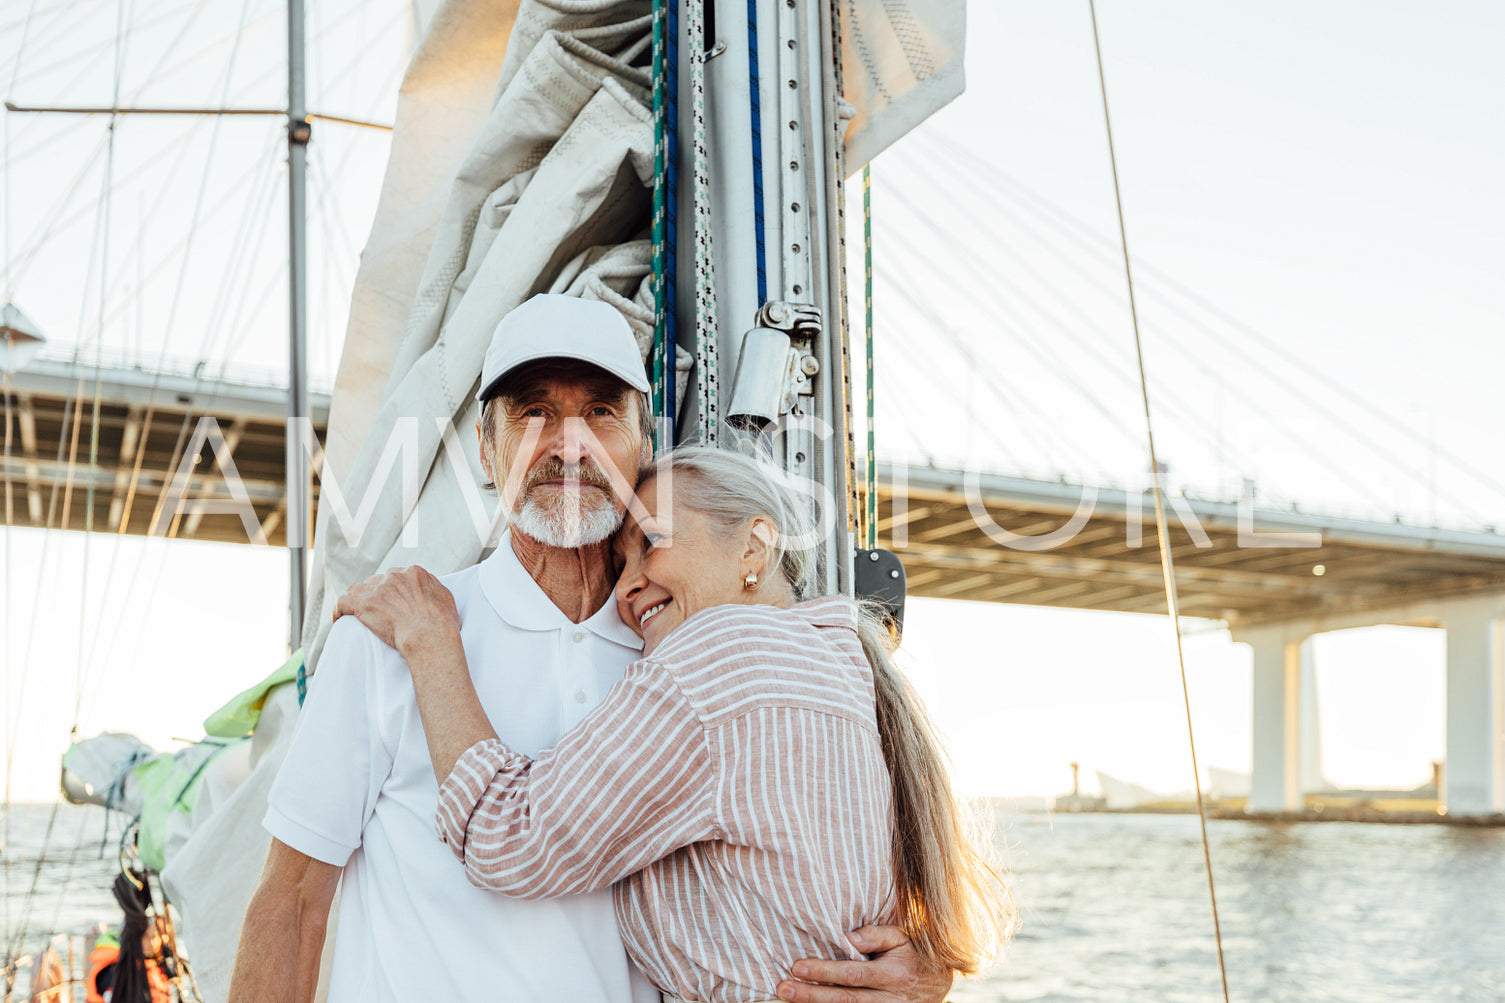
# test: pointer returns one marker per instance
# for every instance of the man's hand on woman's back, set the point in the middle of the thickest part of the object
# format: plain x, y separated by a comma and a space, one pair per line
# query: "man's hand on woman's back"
893, 975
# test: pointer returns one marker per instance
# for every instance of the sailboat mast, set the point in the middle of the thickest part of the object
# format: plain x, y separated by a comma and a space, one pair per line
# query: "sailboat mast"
298, 501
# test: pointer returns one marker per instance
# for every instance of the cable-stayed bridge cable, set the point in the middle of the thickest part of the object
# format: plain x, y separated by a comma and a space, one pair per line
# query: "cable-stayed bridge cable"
1194, 421
1096, 244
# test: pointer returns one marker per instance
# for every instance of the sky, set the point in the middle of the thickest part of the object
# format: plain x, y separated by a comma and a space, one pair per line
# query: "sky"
1317, 226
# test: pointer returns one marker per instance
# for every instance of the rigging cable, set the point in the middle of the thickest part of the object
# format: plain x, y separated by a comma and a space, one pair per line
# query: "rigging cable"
707, 378
121, 36
1162, 532
757, 148
671, 215
151, 409
836, 258
5, 834
663, 389
871, 516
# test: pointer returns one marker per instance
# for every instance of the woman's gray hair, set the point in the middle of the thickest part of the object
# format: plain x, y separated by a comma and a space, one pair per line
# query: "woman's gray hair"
730, 489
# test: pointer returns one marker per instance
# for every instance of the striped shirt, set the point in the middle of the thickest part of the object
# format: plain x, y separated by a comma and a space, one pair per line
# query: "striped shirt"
732, 784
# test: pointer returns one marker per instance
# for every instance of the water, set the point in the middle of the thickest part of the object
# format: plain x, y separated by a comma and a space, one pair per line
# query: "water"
1114, 907
72, 886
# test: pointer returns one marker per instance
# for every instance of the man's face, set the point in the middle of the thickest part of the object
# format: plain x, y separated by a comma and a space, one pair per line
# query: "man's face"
563, 433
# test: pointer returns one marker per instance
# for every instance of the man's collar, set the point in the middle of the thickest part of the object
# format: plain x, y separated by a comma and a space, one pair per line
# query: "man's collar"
520, 601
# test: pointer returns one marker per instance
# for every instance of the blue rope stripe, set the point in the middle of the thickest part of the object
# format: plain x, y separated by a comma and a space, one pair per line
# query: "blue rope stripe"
671, 210
757, 147
662, 387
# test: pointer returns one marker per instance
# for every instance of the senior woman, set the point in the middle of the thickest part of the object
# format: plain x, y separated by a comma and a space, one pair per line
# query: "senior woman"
760, 782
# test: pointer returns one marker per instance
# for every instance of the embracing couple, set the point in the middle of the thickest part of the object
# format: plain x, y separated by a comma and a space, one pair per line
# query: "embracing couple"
658, 760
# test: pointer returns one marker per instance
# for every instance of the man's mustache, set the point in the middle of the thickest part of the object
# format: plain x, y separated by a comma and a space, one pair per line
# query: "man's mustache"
555, 469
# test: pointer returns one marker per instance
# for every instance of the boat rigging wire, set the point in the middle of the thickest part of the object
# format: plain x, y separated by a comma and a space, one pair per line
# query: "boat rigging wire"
671, 217
210, 112
707, 352
10, 723
122, 37
84, 58
1162, 531
834, 100
757, 149
871, 516
73, 414
663, 366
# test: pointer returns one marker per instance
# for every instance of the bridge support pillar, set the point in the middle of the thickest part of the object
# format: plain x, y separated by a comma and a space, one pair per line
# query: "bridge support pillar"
1474, 774
1275, 781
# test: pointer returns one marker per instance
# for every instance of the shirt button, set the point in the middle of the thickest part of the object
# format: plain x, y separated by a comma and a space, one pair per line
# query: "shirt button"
580, 696
579, 636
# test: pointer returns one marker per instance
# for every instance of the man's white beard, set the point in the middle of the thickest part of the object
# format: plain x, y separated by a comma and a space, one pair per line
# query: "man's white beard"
569, 519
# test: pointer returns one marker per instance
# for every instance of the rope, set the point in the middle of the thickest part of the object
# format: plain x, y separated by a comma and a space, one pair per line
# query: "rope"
13, 950
837, 261
135, 899
1167, 564
5, 840
756, 103
706, 335
867, 309
671, 210
121, 35
5, 837
656, 276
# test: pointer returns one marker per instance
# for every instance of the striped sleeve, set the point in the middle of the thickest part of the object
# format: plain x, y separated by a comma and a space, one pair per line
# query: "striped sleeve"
630, 784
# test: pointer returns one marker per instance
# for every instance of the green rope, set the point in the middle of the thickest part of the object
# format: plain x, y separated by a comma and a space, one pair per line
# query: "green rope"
867, 299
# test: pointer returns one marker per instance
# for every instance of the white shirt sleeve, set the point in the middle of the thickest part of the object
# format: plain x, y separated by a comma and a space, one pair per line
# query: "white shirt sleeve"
337, 760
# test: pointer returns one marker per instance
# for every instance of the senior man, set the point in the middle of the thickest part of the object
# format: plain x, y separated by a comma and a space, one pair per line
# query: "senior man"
564, 417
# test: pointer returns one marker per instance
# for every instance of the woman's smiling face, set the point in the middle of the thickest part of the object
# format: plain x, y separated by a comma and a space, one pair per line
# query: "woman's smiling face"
676, 563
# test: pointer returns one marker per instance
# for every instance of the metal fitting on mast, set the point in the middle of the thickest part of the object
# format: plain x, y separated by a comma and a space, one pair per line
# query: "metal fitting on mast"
777, 365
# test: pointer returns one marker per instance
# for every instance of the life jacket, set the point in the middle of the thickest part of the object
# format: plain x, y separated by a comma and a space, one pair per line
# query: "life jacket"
101, 980
101, 963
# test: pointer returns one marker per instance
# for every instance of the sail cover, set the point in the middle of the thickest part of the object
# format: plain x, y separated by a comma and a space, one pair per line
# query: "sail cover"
902, 61
522, 161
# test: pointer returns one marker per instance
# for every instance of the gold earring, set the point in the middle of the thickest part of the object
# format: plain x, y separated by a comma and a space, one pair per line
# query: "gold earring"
751, 581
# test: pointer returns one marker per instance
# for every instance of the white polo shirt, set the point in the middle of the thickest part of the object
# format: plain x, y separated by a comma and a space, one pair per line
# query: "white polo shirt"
358, 791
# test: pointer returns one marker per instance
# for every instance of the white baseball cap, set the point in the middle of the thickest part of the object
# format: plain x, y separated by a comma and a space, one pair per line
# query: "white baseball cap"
551, 326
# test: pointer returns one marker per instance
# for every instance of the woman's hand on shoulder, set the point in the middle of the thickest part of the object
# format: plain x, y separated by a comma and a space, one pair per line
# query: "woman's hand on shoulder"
405, 607
893, 974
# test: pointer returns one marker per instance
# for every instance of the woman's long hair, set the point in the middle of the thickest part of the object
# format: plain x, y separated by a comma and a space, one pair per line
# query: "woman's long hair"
950, 901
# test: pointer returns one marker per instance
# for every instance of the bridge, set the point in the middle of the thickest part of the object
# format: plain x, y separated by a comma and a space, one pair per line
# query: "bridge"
1275, 577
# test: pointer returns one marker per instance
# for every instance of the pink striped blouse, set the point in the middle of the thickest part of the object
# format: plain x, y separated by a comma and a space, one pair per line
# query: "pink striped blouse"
732, 784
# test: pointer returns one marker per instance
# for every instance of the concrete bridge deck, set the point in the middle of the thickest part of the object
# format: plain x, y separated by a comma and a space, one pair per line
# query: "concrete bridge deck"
981, 537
